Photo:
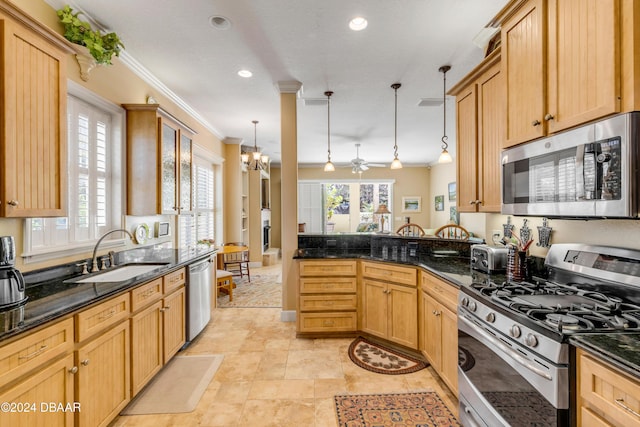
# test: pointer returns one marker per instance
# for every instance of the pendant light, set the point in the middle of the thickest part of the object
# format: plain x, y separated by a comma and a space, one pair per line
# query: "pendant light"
256, 153
329, 167
445, 157
395, 164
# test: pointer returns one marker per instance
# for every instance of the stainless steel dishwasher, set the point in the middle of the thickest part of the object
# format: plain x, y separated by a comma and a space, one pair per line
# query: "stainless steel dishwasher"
198, 297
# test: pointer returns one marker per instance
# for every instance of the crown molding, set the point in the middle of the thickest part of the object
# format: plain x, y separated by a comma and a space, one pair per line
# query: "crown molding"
291, 86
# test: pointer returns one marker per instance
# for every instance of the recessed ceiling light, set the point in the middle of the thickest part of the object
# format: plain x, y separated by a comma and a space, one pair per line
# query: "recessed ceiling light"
245, 73
219, 22
358, 23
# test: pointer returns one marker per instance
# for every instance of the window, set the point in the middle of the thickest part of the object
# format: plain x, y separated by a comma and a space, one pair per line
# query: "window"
94, 179
203, 222
341, 206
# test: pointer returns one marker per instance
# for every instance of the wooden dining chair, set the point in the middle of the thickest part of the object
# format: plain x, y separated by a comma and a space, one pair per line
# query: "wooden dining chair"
410, 230
237, 263
452, 231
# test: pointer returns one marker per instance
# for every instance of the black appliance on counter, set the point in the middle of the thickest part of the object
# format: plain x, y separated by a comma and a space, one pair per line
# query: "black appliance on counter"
517, 334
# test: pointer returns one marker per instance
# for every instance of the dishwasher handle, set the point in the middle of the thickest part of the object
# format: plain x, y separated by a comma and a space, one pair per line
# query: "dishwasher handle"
199, 266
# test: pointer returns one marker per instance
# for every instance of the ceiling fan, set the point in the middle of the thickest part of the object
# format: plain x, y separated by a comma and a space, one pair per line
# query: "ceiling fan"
359, 165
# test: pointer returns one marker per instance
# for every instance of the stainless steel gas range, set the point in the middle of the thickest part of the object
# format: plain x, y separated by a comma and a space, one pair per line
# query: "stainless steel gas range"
518, 368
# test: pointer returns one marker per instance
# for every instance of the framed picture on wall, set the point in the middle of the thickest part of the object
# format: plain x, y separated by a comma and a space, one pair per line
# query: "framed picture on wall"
412, 204
452, 191
439, 201
453, 215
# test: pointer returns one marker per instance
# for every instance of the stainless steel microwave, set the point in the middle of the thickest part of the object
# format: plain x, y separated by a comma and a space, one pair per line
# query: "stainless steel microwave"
590, 171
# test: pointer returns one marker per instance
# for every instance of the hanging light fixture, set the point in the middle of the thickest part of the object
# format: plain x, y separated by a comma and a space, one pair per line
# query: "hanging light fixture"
445, 157
258, 160
329, 167
395, 164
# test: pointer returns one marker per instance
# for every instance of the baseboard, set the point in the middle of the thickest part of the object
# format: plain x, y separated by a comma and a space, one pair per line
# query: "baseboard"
288, 315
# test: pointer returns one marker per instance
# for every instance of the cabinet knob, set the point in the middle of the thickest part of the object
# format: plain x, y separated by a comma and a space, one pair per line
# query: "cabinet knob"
73, 370
478, 202
471, 202
13, 203
535, 123
85, 362
548, 117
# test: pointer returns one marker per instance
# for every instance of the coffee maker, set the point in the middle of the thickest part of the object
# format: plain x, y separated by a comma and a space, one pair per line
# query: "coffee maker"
12, 289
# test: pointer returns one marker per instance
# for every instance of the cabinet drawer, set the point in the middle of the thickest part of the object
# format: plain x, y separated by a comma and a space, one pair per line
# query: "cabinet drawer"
328, 302
100, 317
34, 350
608, 391
328, 268
330, 285
443, 292
328, 322
390, 273
146, 294
174, 280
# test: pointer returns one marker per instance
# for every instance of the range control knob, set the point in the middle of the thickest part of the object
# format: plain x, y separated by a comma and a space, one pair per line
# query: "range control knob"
485, 263
514, 331
491, 317
464, 301
472, 306
531, 340
474, 260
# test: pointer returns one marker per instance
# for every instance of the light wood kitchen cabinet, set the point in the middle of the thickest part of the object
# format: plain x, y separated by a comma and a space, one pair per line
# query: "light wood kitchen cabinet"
146, 346
157, 327
439, 328
159, 161
389, 303
173, 323
480, 113
52, 384
103, 382
605, 395
561, 63
327, 300
33, 136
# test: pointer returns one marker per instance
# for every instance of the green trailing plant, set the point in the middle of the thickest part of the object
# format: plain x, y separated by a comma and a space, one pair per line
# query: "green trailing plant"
101, 46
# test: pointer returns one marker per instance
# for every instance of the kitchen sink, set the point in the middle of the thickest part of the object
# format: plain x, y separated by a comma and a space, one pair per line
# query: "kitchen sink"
119, 274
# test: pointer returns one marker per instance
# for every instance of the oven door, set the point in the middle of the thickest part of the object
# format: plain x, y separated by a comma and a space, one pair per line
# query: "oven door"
501, 386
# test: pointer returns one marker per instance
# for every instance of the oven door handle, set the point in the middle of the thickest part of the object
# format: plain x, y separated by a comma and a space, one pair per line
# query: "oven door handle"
508, 351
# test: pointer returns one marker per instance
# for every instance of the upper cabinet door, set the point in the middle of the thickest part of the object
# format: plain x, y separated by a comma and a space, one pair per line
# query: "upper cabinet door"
169, 169
524, 69
185, 188
33, 140
584, 61
467, 150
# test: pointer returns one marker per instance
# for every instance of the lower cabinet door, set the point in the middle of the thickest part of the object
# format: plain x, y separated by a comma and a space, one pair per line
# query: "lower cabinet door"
44, 399
374, 308
449, 327
174, 323
433, 332
146, 346
103, 379
403, 315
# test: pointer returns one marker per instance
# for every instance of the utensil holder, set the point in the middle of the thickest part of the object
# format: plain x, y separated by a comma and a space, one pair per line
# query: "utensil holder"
517, 265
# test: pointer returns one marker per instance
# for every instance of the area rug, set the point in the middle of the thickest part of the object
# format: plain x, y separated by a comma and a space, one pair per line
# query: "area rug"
264, 290
177, 388
377, 358
423, 409
522, 407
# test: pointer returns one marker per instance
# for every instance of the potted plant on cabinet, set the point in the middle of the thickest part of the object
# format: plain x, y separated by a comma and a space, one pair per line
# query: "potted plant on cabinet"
100, 47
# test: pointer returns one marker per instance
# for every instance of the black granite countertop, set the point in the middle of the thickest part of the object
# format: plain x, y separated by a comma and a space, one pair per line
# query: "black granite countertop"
621, 350
52, 293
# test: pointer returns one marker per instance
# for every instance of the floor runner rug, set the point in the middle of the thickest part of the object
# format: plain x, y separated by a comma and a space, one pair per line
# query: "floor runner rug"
177, 388
423, 409
264, 290
376, 358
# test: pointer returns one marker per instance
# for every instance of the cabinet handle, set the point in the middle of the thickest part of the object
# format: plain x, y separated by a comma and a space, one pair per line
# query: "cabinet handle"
471, 202
478, 202
73, 370
548, 117
535, 123
13, 203
328, 323
620, 402
38, 352
85, 362
436, 313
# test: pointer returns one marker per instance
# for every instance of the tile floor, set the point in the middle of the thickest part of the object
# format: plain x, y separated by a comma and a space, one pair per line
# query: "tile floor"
271, 378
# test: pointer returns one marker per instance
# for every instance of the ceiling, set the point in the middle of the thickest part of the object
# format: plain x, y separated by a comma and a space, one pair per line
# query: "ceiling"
406, 41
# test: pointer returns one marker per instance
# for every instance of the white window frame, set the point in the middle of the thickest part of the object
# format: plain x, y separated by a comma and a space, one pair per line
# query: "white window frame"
116, 210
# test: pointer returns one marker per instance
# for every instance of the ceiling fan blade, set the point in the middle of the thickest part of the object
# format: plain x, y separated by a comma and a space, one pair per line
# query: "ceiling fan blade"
376, 165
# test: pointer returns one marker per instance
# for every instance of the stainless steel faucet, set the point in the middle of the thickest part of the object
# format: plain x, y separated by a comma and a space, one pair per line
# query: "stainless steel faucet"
94, 261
